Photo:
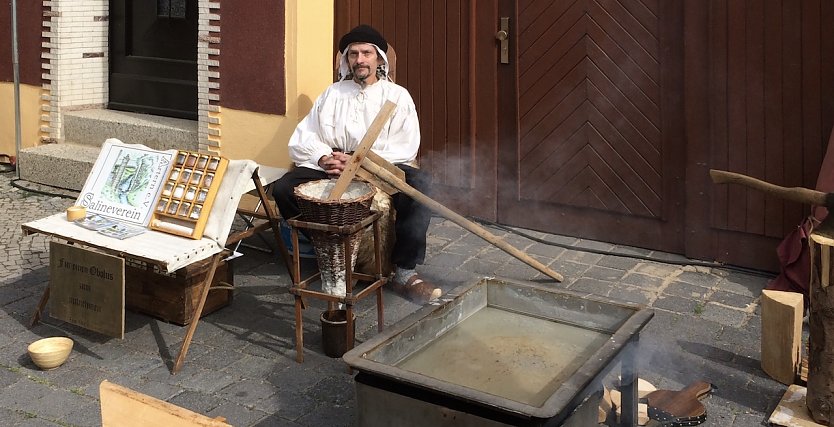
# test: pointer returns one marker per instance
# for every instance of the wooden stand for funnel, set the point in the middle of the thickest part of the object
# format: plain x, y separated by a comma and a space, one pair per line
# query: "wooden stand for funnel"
384, 175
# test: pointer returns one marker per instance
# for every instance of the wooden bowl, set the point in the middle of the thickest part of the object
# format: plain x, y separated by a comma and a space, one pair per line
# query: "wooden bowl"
50, 353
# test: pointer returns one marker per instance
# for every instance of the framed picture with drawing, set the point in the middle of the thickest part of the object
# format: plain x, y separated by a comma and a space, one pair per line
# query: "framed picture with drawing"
125, 182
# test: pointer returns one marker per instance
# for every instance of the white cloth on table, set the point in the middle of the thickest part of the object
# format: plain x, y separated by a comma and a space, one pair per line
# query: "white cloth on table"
169, 251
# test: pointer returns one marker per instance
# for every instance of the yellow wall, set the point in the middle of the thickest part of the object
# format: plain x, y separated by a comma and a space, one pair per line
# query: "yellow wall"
29, 116
309, 70
244, 134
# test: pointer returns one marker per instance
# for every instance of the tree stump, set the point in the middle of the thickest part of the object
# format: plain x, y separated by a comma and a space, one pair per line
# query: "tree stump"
820, 396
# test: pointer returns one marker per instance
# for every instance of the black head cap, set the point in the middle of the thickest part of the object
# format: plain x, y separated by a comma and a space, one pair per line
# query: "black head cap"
363, 34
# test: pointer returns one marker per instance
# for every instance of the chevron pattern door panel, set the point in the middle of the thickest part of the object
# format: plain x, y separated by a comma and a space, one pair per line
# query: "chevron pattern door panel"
590, 115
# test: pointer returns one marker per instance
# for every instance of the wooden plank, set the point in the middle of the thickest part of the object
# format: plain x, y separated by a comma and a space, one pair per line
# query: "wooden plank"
123, 407
389, 28
774, 150
376, 182
792, 107
174, 298
483, 107
413, 55
423, 81
402, 21
754, 104
87, 288
671, 118
382, 185
454, 62
793, 410
459, 220
736, 111
811, 78
826, 68
364, 147
198, 312
781, 334
714, 117
374, 157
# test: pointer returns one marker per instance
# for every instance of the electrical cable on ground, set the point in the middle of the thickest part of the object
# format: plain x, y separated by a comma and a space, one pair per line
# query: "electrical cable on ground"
44, 193
697, 263
8, 165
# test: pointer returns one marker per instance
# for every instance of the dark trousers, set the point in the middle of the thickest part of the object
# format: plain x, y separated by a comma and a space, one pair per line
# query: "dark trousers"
412, 221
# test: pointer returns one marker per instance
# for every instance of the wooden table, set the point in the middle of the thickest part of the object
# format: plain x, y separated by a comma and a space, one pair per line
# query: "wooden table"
166, 251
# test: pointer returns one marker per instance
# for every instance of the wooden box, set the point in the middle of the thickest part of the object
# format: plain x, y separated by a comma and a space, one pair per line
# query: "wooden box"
188, 193
174, 298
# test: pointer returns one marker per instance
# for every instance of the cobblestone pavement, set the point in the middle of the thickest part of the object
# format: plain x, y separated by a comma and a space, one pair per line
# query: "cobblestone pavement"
241, 362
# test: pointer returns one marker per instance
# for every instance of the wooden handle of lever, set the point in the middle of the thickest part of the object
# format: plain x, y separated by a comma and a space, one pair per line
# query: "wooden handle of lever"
795, 194
476, 229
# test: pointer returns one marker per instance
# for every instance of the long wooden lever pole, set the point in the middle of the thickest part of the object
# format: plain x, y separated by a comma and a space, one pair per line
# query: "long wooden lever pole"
794, 194
362, 150
479, 231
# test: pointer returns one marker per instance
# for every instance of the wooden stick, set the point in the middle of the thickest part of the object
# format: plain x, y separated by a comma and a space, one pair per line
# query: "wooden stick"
794, 194
123, 407
359, 154
186, 342
479, 231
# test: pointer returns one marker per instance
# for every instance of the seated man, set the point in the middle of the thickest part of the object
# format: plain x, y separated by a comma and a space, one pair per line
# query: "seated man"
340, 117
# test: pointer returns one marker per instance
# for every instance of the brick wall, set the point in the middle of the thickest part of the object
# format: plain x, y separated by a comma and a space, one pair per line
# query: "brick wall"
208, 76
74, 59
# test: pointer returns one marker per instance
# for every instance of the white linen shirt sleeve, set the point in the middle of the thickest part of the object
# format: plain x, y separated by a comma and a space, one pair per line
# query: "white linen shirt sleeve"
341, 116
306, 144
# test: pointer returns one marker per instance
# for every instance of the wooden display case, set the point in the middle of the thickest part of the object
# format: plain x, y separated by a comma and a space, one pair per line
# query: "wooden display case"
188, 193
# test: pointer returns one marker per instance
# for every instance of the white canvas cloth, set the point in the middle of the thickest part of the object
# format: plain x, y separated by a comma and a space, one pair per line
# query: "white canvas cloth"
168, 251
236, 182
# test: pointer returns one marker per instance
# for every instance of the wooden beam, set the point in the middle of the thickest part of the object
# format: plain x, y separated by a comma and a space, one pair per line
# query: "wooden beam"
123, 407
361, 151
476, 229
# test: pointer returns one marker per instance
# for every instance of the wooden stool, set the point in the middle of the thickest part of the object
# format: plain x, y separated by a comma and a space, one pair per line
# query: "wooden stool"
299, 288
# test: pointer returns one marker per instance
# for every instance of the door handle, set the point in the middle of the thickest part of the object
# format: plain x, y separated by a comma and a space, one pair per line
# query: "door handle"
503, 37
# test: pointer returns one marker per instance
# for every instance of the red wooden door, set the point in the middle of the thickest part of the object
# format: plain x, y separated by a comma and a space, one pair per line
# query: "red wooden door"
591, 130
608, 115
445, 58
760, 101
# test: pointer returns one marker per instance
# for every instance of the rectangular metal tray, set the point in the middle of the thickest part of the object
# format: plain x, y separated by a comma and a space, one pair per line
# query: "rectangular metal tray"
519, 347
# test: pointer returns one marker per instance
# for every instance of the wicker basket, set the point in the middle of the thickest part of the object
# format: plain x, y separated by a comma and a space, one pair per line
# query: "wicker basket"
353, 207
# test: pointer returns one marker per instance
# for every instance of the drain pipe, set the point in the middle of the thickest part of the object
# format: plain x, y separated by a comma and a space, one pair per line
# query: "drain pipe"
16, 68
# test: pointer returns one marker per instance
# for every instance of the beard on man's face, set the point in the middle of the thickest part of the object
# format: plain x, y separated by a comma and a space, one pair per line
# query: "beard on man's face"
361, 76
